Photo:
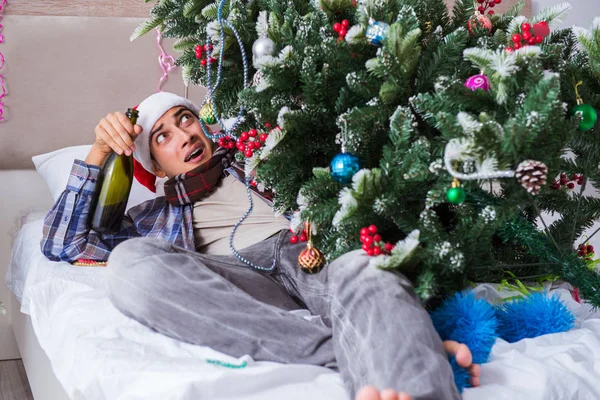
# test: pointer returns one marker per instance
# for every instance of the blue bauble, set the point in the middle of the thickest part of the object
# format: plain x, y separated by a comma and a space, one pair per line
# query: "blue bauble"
377, 32
344, 166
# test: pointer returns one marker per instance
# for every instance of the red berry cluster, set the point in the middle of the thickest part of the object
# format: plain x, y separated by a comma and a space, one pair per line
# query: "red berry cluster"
529, 36
206, 49
226, 142
373, 245
251, 140
569, 183
341, 28
585, 251
484, 5
303, 237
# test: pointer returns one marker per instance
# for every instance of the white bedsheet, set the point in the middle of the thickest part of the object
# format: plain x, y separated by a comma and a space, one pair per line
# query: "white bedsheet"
97, 353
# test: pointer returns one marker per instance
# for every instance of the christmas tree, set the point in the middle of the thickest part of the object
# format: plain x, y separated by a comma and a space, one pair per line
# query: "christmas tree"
433, 139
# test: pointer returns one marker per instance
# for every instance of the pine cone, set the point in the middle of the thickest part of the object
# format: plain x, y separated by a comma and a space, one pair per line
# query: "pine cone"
532, 175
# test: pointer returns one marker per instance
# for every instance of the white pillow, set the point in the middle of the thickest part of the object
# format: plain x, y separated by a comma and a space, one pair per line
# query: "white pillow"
55, 167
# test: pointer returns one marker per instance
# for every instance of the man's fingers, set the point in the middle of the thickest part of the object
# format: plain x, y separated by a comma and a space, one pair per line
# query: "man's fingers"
113, 138
123, 126
389, 394
137, 129
368, 393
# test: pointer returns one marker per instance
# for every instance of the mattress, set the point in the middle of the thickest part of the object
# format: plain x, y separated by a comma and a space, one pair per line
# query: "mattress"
98, 353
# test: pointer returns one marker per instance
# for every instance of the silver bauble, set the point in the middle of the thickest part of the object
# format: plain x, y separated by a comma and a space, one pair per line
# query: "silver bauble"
263, 47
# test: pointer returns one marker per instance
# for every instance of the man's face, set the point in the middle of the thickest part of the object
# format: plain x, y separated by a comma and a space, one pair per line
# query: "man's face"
177, 143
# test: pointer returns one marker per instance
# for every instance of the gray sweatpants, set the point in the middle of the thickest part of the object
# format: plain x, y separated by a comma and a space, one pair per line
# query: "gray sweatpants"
372, 327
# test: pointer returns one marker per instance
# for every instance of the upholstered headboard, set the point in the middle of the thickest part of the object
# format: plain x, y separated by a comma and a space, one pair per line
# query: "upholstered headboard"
69, 63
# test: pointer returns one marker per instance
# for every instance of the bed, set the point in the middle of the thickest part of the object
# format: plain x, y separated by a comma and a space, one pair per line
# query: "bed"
91, 351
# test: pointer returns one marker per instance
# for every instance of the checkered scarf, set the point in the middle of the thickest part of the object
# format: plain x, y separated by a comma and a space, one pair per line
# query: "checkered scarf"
194, 185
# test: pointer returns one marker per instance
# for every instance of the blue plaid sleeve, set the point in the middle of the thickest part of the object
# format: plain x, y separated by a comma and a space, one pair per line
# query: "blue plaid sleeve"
67, 235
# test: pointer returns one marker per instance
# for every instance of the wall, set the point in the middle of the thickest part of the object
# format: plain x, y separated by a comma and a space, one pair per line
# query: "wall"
582, 14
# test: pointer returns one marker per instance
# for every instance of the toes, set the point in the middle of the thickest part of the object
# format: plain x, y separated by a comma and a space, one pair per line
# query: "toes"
460, 351
475, 372
389, 394
368, 393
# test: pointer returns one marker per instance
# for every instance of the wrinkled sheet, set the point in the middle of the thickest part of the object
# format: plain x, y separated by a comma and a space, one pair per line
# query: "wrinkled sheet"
98, 353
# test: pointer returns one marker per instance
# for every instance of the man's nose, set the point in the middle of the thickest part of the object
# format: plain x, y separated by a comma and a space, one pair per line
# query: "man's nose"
187, 138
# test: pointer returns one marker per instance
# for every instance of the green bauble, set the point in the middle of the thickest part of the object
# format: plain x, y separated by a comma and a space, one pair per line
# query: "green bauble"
456, 195
589, 116
207, 114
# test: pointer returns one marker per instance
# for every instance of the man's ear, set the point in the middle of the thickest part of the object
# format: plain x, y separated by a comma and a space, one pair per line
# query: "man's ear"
158, 170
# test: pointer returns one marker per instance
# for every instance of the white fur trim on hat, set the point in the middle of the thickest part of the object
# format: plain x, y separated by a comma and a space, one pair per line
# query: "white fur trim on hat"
150, 110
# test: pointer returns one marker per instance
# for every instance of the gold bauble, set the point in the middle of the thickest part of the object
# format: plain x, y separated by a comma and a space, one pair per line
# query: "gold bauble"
311, 260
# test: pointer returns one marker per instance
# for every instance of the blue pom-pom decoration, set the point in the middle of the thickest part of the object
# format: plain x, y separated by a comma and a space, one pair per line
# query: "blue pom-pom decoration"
535, 315
344, 166
465, 319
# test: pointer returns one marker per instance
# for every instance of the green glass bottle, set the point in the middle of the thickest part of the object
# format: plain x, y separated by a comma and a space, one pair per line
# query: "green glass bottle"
113, 190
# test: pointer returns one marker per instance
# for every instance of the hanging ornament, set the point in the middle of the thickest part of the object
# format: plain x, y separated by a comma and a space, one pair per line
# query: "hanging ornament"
377, 32
311, 259
478, 82
456, 194
207, 114
531, 175
541, 29
344, 165
479, 21
263, 47
588, 114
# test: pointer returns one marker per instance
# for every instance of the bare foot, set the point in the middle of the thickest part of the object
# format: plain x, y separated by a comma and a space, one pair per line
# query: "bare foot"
370, 393
464, 359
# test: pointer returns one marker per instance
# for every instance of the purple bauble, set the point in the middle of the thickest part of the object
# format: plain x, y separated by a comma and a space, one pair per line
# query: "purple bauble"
478, 82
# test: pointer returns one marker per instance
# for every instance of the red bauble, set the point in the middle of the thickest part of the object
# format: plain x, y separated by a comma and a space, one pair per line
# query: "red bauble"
294, 239
370, 252
526, 27
377, 238
303, 238
366, 247
509, 49
516, 38
368, 240
479, 21
343, 32
526, 35
491, 12
571, 185
364, 232
257, 145
541, 29
345, 24
372, 229
203, 62
497, 1
377, 251
249, 153
539, 39
263, 137
337, 26
252, 132
267, 125
531, 41
491, 5
518, 46
481, 9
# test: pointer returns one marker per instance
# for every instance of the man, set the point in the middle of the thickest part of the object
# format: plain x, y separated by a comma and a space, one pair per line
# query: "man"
176, 274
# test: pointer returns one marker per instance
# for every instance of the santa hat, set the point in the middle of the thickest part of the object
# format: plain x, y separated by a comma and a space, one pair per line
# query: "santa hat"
151, 110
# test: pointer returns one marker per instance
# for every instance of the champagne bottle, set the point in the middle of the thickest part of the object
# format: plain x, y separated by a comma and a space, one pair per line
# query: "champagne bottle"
113, 190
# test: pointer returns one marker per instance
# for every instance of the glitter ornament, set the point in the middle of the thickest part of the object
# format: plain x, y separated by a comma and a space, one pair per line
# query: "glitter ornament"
311, 260
377, 32
478, 82
479, 21
344, 166
207, 114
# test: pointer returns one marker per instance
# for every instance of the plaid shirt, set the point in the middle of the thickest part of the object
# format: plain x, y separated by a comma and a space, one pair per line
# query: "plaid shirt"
68, 237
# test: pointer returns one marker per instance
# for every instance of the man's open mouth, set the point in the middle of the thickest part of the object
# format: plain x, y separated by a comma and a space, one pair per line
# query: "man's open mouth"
195, 155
